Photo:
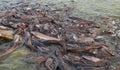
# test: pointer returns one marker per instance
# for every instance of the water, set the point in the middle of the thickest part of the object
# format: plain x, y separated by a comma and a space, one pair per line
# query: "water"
87, 9
84, 8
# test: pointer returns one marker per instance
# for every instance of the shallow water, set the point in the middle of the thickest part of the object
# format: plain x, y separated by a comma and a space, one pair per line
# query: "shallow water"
87, 9
84, 8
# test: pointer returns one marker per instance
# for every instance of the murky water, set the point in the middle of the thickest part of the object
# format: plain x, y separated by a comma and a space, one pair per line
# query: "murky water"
87, 9
93, 7
84, 8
